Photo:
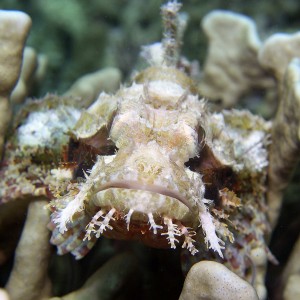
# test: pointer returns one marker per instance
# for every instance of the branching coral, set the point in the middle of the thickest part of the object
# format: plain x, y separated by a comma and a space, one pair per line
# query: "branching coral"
33, 71
232, 68
286, 138
14, 28
29, 279
117, 275
278, 51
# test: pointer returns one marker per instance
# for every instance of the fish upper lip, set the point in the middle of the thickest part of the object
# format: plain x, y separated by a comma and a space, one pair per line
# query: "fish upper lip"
139, 185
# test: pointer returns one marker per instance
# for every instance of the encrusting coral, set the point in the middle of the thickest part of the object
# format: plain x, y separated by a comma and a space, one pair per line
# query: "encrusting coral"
151, 162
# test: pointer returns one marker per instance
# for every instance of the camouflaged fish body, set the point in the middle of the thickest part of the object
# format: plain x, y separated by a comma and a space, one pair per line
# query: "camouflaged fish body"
162, 167
35, 147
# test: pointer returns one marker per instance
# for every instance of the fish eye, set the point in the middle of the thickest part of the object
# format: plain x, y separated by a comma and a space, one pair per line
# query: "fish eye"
215, 175
82, 156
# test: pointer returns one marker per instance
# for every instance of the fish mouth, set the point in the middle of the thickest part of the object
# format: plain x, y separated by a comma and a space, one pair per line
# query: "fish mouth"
142, 186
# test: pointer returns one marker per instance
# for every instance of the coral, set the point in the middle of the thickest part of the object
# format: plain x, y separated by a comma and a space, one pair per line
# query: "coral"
100, 25
103, 31
292, 290
284, 153
14, 28
117, 275
29, 279
231, 69
273, 55
278, 51
33, 70
291, 275
4, 295
89, 86
208, 280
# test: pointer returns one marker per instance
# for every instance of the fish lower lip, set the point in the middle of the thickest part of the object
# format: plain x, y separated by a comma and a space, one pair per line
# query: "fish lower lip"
137, 185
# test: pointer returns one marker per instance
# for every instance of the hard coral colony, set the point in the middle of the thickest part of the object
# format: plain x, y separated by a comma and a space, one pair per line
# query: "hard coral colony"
149, 163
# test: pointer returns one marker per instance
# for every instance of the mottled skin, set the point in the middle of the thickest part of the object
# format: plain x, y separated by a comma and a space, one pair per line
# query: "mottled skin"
163, 167
146, 179
148, 163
